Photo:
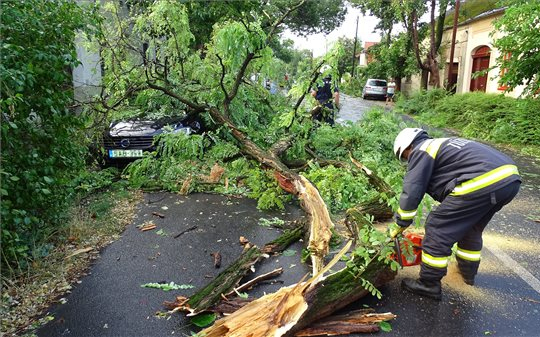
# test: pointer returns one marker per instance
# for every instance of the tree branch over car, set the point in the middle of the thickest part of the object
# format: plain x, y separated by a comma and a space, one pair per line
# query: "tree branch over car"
210, 81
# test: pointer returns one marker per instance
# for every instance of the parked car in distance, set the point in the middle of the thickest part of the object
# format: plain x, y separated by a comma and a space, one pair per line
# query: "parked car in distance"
127, 140
374, 88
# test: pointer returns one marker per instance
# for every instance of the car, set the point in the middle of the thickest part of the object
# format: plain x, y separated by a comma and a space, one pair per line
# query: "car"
374, 88
128, 140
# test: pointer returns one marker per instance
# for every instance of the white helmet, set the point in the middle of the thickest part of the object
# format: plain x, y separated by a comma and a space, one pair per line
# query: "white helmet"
404, 139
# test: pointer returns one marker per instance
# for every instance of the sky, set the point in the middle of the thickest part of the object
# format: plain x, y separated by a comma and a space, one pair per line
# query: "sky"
319, 43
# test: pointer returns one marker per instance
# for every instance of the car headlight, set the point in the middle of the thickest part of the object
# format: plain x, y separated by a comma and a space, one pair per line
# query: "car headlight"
186, 130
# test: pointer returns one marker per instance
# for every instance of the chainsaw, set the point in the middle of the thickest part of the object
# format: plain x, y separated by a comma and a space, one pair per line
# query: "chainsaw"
406, 260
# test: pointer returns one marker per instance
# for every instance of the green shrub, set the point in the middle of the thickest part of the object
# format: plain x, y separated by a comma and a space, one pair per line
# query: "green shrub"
421, 101
491, 117
43, 148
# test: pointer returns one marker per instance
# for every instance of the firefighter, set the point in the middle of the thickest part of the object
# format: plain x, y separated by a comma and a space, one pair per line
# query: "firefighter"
472, 182
327, 99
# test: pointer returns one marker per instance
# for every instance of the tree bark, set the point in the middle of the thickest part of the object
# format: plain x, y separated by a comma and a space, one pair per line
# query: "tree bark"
290, 309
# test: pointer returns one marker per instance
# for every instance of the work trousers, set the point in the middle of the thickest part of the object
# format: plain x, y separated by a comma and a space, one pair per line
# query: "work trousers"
461, 219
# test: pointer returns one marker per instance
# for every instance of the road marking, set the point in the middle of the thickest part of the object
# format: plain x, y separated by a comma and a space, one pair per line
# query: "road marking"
516, 267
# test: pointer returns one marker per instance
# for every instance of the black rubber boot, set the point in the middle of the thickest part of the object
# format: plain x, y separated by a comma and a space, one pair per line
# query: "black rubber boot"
467, 279
431, 289
467, 270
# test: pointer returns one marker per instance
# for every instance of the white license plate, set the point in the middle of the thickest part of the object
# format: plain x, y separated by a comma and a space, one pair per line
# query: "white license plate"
125, 153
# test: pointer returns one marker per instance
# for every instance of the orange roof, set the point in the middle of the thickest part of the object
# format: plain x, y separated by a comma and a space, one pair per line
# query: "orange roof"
369, 44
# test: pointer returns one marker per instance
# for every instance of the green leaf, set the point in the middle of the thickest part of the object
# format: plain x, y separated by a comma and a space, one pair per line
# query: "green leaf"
289, 252
167, 286
204, 320
48, 180
14, 178
385, 326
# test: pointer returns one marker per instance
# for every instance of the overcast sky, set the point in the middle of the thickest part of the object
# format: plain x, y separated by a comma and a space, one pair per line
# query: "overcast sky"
318, 42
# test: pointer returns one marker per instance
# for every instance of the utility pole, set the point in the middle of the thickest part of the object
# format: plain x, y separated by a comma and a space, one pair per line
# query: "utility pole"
452, 47
354, 49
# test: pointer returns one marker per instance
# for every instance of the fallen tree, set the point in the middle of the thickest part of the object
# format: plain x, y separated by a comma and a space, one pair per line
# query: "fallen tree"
215, 80
290, 309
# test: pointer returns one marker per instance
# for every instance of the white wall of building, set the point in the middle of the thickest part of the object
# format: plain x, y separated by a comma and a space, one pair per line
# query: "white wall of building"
470, 36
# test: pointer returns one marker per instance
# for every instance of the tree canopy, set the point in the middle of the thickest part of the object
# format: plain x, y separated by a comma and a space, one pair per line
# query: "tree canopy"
518, 39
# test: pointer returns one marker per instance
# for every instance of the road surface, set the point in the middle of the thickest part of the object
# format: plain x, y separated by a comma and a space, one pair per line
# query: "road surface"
111, 302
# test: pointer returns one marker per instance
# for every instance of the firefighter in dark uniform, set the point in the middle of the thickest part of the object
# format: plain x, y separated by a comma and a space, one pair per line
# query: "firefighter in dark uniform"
472, 182
328, 102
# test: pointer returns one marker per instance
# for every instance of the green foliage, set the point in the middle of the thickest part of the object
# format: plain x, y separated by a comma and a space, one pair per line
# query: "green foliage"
421, 101
339, 188
518, 38
477, 115
264, 187
276, 222
92, 181
204, 319
469, 9
385, 326
314, 17
43, 145
371, 245
167, 286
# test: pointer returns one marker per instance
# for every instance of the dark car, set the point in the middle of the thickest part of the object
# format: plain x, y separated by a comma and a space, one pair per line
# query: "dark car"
127, 140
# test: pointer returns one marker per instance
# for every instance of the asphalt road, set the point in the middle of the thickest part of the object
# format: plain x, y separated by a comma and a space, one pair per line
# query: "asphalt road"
111, 302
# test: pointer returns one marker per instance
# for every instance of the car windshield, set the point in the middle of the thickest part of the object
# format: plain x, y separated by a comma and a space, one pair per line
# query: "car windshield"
377, 83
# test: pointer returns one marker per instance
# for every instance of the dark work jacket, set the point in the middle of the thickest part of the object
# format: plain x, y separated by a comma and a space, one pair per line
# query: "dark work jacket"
439, 166
324, 93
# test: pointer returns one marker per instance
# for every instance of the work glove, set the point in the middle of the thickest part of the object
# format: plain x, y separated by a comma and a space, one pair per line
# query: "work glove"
394, 230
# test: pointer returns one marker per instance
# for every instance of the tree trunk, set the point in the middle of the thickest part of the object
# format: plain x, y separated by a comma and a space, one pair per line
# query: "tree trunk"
435, 80
424, 79
398, 83
211, 294
290, 309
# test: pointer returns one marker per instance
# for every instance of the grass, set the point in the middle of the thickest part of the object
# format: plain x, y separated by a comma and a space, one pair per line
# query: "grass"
498, 119
95, 222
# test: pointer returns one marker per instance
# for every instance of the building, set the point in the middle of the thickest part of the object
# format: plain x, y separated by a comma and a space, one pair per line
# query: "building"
365, 57
474, 52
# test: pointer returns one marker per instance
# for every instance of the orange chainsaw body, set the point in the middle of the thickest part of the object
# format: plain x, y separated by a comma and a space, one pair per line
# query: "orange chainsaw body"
414, 240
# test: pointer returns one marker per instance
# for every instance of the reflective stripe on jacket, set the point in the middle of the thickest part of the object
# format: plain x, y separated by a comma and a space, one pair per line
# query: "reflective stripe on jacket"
451, 166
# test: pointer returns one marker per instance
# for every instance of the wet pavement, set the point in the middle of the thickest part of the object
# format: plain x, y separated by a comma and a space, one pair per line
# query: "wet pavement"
111, 302
353, 109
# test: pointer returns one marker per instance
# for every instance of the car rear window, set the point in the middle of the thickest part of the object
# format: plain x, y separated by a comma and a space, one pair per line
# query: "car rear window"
377, 83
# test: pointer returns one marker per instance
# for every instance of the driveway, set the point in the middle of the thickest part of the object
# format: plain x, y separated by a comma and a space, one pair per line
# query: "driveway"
111, 302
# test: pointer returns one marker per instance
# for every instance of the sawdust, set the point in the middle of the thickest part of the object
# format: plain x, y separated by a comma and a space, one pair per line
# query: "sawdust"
511, 243
454, 286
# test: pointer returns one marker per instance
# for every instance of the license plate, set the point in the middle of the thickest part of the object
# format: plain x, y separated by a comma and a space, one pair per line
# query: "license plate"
125, 153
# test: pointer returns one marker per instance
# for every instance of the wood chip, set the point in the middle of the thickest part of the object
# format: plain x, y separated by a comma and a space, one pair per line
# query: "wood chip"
159, 215
148, 227
80, 251
217, 259
243, 241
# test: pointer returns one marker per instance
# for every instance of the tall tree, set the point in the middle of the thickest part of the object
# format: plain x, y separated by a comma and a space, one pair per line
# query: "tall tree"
408, 13
395, 60
345, 59
518, 38
411, 11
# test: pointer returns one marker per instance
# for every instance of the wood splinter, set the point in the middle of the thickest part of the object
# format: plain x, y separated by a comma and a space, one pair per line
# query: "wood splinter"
217, 259
256, 280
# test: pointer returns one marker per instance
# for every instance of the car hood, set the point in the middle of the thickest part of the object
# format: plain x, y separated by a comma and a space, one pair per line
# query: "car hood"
135, 129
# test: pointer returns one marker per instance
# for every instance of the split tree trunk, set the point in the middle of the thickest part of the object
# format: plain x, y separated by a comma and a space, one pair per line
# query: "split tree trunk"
290, 309
320, 223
